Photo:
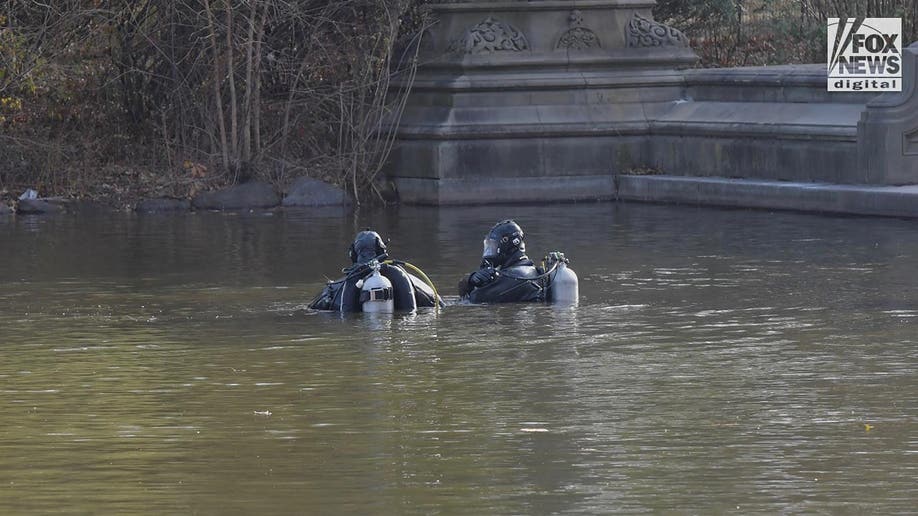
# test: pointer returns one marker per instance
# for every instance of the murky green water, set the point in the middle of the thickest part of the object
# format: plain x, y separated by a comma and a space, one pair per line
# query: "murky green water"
720, 361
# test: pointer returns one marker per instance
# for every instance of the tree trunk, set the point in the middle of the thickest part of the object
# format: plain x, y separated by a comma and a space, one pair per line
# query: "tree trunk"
218, 97
230, 72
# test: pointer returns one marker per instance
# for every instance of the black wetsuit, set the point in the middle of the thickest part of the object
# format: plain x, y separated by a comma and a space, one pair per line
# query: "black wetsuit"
409, 291
516, 281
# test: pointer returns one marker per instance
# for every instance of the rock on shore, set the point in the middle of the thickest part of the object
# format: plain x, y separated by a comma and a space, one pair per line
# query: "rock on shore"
162, 205
306, 191
303, 192
36, 207
247, 196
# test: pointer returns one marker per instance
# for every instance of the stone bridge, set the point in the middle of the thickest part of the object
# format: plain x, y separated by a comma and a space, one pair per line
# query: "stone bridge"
550, 100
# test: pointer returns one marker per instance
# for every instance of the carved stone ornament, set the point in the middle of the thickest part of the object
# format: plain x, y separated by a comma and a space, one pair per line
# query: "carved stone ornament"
578, 37
642, 32
491, 35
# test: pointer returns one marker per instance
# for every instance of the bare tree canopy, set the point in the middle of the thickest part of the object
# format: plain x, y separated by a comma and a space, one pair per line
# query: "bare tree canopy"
760, 32
239, 88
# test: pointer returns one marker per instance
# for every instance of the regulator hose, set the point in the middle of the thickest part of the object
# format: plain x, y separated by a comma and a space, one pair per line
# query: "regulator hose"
421, 274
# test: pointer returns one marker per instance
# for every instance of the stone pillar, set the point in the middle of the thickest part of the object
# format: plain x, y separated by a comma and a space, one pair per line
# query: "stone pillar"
534, 100
887, 134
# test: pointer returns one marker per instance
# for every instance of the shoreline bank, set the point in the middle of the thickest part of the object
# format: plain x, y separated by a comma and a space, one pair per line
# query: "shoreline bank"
818, 198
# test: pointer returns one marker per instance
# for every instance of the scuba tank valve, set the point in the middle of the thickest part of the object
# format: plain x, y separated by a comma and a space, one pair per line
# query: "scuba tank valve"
376, 295
563, 287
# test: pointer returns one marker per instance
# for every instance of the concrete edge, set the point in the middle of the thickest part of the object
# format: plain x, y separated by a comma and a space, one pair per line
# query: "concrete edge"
888, 201
412, 190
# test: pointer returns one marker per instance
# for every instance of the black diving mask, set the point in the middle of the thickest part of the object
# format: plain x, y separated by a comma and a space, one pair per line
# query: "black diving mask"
491, 249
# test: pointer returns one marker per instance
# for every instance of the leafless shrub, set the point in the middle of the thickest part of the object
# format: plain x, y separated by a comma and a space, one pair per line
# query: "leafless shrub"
247, 88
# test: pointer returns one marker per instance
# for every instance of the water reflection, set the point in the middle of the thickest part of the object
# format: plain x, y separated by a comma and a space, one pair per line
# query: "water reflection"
719, 359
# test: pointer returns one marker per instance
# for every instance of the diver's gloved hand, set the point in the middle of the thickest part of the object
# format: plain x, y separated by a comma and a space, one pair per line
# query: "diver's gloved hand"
482, 276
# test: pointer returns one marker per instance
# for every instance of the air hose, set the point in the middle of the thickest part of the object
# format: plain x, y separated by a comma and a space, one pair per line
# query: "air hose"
421, 274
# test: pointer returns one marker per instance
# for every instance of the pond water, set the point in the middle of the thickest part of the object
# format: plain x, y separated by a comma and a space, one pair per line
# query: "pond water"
719, 361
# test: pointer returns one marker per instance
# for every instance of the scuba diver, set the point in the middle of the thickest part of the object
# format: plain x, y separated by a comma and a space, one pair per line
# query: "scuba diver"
375, 283
507, 275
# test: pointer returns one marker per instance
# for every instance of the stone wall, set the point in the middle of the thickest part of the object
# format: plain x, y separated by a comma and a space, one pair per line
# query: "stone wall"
534, 100
760, 122
551, 100
887, 131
